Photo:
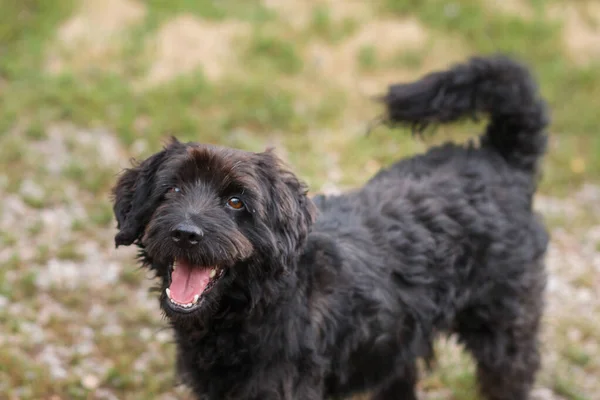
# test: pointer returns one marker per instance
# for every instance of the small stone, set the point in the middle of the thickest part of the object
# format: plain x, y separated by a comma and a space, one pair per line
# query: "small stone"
145, 334
90, 382
542, 394
163, 336
104, 394
112, 330
31, 190
574, 335
84, 348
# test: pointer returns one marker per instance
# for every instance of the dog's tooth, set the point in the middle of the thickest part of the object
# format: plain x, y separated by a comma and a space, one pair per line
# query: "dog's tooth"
174, 265
213, 273
196, 297
168, 292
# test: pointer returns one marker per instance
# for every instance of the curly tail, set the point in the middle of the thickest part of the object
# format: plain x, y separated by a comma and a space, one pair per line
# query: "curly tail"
495, 85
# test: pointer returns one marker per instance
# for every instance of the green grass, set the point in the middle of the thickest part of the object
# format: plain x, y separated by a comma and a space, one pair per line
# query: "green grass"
323, 26
577, 356
274, 53
70, 251
411, 59
367, 58
24, 29
251, 10
563, 387
275, 94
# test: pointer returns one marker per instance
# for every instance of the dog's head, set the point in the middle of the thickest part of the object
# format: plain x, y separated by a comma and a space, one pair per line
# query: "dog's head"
210, 221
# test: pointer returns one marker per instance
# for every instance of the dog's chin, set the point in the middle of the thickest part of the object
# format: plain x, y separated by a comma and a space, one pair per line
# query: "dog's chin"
188, 288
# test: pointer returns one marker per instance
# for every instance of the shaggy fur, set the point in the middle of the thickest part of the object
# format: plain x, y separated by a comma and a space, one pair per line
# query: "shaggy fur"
328, 301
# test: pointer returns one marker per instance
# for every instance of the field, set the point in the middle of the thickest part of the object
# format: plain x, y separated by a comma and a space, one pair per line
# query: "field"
87, 84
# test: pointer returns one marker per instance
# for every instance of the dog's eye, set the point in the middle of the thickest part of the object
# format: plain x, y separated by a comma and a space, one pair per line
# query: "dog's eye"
235, 203
174, 189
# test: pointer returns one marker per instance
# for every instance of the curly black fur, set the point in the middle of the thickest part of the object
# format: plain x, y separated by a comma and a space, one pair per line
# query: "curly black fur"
324, 303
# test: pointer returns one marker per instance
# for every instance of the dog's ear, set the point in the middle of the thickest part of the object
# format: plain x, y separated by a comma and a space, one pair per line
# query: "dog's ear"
289, 209
134, 197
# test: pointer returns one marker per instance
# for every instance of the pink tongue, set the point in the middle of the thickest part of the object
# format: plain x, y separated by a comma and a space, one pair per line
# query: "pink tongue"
187, 281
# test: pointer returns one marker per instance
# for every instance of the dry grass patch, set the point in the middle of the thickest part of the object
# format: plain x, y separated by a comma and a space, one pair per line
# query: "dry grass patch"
91, 38
581, 33
299, 13
519, 8
378, 54
186, 43
341, 62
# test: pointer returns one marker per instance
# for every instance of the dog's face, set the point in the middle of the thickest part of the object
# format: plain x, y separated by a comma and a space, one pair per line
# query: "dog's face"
212, 222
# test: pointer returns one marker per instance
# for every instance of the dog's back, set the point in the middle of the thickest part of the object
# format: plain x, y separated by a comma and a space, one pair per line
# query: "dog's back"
445, 241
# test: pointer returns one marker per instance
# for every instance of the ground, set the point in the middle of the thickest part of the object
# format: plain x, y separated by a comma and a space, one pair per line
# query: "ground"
87, 84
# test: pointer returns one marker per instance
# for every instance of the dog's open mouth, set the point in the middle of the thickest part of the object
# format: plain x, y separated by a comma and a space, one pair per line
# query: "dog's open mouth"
189, 283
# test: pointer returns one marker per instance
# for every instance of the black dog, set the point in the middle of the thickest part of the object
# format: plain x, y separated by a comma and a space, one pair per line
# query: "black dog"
273, 298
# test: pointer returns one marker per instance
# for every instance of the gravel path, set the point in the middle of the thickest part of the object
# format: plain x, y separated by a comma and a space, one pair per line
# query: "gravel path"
86, 316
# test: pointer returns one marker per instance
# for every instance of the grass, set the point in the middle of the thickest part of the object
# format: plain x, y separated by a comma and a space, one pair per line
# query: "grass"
367, 58
274, 53
565, 388
323, 26
277, 93
251, 10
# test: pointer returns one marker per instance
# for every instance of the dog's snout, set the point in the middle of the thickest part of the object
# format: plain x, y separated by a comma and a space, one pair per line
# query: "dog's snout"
186, 235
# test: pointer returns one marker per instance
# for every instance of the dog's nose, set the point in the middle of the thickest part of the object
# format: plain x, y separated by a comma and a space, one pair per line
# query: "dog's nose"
186, 235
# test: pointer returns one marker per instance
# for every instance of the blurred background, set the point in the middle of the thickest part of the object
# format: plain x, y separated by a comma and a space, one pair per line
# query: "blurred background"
87, 84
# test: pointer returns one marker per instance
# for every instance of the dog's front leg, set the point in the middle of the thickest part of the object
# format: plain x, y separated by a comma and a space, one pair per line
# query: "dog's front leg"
400, 385
286, 383
310, 389
303, 392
